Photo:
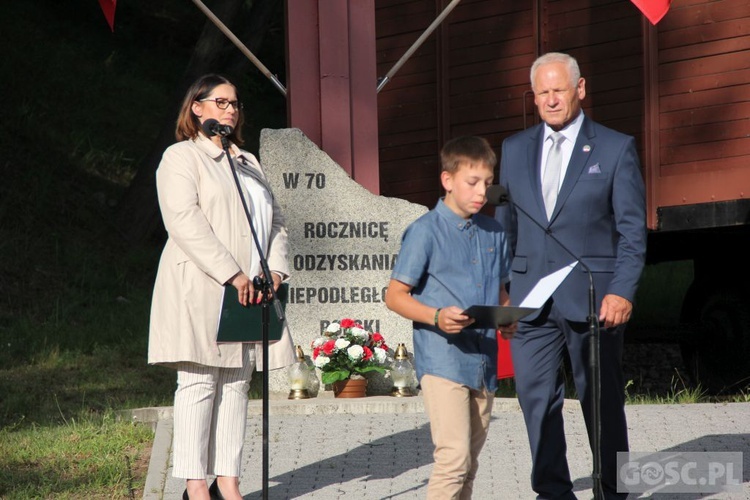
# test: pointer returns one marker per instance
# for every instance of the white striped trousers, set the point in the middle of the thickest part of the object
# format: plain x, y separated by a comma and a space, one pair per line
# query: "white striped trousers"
210, 417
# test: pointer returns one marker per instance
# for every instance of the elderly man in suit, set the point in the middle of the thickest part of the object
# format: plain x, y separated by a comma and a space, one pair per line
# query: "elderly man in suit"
581, 183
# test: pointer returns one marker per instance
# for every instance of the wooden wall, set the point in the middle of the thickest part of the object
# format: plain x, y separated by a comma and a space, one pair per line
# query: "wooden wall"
468, 78
408, 106
704, 103
472, 76
605, 37
681, 88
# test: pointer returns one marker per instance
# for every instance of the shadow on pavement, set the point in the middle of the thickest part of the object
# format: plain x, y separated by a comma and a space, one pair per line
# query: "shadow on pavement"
383, 458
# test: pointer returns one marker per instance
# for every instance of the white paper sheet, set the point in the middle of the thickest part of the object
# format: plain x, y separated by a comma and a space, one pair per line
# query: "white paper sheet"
546, 287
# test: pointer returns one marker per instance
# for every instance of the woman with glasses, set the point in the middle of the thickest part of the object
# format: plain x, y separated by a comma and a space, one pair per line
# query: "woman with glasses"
210, 245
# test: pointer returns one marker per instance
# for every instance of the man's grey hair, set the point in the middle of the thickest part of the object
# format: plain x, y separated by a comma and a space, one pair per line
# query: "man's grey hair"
557, 57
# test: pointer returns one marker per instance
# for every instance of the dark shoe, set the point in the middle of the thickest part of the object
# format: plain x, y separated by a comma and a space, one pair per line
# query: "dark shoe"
215, 492
185, 495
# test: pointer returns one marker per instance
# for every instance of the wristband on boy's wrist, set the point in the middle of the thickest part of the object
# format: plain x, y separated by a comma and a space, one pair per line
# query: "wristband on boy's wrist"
437, 316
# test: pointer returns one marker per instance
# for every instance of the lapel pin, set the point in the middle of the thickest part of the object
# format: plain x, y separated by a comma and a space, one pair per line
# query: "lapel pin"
586, 148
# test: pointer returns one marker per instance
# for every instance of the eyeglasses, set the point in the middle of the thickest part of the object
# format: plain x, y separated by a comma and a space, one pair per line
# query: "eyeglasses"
222, 103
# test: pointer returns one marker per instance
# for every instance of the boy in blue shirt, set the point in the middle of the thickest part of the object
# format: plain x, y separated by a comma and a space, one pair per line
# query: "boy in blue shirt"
451, 258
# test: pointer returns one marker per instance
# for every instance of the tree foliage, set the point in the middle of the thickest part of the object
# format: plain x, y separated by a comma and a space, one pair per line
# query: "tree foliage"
138, 213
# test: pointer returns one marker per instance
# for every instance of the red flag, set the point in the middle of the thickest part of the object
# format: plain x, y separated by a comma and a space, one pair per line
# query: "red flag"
654, 10
108, 7
504, 361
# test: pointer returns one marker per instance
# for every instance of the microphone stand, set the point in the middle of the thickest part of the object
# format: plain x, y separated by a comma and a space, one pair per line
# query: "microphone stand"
264, 285
594, 355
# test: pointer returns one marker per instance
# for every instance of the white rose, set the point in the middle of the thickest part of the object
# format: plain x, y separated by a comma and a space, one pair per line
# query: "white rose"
381, 355
319, 342
321, 361
360, 333
333, 328
342, 344
355, 352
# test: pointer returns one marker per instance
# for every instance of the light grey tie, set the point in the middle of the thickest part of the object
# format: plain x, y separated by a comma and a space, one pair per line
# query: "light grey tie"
551, 180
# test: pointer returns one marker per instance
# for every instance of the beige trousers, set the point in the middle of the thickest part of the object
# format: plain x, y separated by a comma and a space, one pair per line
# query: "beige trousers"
210, 416
459, 423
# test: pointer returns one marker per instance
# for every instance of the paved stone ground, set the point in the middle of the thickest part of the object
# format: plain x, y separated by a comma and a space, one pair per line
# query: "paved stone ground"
380, 448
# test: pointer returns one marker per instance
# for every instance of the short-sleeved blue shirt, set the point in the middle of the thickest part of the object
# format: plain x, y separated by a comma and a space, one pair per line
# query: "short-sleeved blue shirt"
452, 261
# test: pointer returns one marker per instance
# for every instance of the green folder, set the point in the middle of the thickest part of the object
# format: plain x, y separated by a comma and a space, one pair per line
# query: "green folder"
238, 323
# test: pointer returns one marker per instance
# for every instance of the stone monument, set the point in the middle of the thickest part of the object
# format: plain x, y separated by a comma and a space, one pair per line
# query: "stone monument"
343, 242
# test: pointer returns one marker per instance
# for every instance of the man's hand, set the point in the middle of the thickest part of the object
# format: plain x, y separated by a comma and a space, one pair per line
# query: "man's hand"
507, 331
615, 310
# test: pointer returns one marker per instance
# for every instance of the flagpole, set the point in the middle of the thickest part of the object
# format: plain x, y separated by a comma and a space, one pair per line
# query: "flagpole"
243, 48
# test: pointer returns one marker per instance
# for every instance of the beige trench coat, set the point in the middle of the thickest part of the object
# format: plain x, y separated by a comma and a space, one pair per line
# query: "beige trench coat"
209, 242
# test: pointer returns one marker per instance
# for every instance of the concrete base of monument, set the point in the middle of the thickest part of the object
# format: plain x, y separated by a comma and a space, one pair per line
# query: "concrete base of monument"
323, 404
326, 404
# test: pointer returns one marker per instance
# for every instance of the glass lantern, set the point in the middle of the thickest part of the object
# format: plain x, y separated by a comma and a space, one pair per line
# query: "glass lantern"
313, 382
402, 373
298, 375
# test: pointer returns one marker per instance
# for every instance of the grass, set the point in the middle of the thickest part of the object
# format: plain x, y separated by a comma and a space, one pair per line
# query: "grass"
679, 393
82, 107
68, 363
90, 458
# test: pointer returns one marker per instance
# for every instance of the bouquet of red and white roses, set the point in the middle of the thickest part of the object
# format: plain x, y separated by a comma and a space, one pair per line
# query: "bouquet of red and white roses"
347, 350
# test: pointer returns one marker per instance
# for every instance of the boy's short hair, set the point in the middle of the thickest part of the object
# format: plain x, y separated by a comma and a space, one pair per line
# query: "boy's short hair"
467, 149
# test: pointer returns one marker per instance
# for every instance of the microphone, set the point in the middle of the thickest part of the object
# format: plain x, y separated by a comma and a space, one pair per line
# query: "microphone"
498, 195
212, 127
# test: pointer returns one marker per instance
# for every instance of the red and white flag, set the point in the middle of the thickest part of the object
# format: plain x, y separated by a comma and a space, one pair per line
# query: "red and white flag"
108, 7
654, 10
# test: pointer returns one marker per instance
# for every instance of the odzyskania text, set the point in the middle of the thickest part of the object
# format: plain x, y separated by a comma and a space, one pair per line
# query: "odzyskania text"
679, 472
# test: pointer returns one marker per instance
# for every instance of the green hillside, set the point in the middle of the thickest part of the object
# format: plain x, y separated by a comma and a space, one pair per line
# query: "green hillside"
82, 107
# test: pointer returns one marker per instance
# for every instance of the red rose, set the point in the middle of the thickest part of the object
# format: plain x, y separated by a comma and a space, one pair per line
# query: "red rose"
316, 352
368, 353
347, 323
377, 339
329, 346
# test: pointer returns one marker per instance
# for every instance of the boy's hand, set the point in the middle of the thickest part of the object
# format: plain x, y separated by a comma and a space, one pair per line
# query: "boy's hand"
507, 331
450, 320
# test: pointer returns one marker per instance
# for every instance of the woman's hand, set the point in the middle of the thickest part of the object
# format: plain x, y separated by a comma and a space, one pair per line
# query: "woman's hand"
277, 279
245, 289
244, 286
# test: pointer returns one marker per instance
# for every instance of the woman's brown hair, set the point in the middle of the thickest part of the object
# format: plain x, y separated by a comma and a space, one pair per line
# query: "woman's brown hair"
188, 125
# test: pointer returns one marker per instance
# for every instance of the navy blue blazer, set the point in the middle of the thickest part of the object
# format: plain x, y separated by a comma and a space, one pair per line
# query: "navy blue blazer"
600, 216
